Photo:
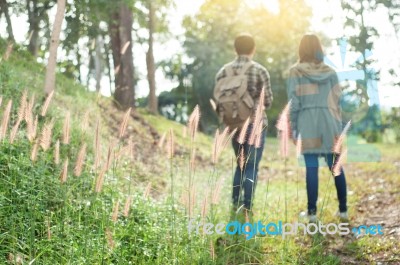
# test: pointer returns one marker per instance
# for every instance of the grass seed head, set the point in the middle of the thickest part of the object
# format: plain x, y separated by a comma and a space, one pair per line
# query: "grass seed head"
46, 104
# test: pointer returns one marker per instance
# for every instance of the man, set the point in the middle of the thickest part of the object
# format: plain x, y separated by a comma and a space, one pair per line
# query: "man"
257, 77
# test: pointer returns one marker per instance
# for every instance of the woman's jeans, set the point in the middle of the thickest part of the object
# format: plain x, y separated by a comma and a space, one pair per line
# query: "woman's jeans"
246, 180
311, 161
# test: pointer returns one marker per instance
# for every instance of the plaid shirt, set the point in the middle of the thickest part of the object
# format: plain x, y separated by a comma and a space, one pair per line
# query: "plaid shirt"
257, 78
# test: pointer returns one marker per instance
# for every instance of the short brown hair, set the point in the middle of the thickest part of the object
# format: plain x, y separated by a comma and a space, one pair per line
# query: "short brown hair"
310, 49
244, 44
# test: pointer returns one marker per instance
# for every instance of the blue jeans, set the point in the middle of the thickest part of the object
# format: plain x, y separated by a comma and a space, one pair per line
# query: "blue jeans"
246, 180
311, 161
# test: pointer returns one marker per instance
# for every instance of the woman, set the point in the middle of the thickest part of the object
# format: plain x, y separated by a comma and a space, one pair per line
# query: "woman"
315, 118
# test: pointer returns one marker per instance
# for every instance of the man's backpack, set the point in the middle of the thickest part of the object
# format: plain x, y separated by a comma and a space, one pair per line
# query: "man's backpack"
234, 103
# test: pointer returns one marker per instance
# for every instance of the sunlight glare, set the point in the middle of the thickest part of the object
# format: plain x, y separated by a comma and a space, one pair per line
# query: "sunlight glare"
271, 5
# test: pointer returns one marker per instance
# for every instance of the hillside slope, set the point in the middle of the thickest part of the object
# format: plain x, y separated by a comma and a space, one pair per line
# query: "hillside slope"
21, 73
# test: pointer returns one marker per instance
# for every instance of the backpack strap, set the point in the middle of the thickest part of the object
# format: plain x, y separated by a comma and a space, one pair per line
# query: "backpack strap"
245, 67
231, 72
229, 69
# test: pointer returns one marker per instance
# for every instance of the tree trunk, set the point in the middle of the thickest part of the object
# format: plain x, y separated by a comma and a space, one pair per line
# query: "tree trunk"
121, 43
109, 66
4, 9
151, 69
79, 63
97, 62
34, 20
50, 80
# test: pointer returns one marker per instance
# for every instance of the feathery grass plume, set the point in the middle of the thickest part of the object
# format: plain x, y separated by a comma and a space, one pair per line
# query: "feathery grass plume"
255, 131
110, 240
193, 122
336, 170
1, 101
339, 142
125, 47
299, 146
97, 151
127, 206
284, 143
257, 123
242, 159
214, 154
284, 128
64, 172
116, 69
8, 51
283, 120
258, 119
110, 155
57, 152
22, 106
29, 128
147, 191
66, 128
80, 160
100, 180
34, 152
257, 143
213, 105
243, 132
14, 131
45, 138
170, 144
34, 127
114, 217
20, 116
162, 140
6, 118
230, 137
46, 104
29, 109
217, 191
85, 121
262, 98
28, 116
124, 123
220, 142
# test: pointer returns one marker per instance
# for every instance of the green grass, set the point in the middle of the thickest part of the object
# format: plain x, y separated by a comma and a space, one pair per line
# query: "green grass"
33, 202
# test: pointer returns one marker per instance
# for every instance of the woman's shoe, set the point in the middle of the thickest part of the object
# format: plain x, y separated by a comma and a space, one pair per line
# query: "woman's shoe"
312, 218
343, 216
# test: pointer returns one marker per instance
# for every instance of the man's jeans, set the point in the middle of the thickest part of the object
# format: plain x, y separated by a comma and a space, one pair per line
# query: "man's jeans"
246, 180
311, 161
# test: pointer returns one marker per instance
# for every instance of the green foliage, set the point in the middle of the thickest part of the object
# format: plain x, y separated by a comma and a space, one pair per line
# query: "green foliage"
209, 42
34, 203
43, 220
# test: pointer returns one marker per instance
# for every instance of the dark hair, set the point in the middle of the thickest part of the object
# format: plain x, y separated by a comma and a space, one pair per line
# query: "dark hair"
310, 49
244, 44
